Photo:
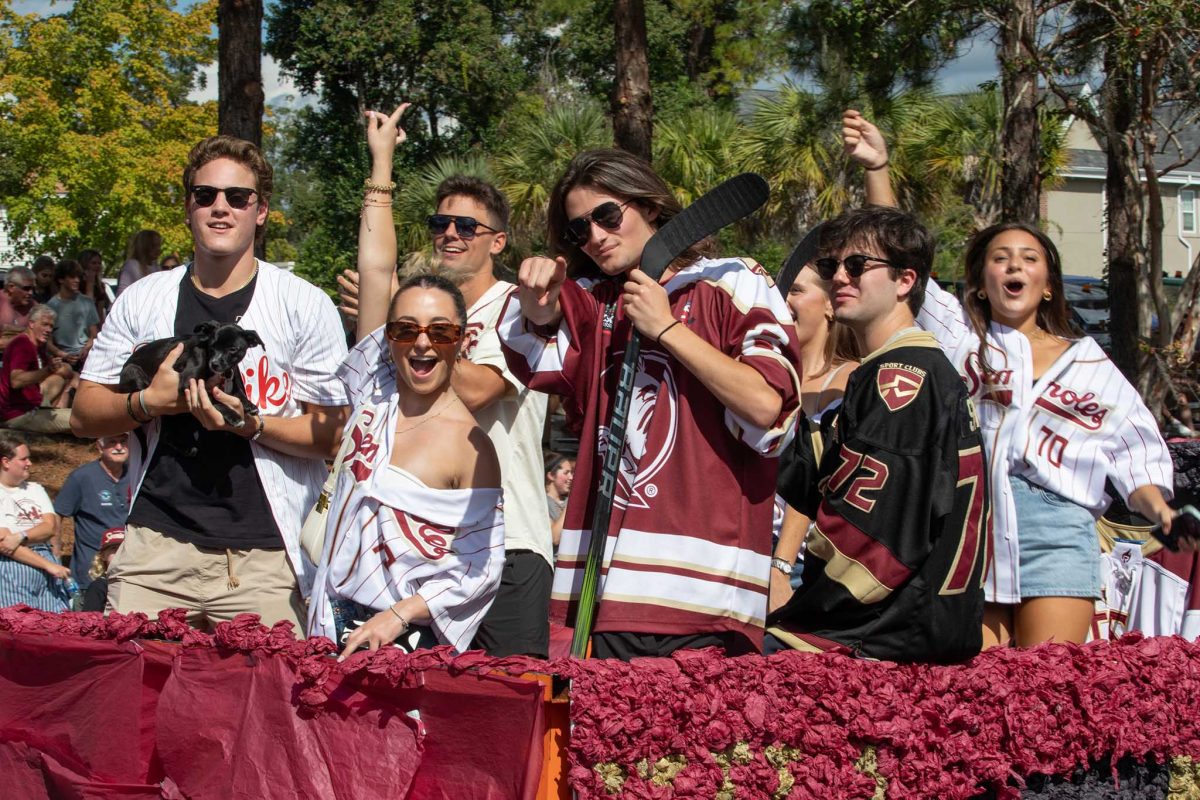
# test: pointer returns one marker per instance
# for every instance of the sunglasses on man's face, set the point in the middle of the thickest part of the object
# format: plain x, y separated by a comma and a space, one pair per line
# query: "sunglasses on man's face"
855, 265
404, 332
607, 215
24, 287
466, 227
236, 196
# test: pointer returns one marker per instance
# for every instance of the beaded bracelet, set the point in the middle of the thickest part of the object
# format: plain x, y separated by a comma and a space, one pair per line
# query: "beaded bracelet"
379, 188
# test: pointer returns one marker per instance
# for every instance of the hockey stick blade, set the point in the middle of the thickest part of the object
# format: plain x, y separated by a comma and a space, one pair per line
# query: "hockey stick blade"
803, 253
728, 202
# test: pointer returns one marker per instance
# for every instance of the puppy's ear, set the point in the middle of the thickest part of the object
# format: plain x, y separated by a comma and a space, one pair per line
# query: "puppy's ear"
253, 340
206, 330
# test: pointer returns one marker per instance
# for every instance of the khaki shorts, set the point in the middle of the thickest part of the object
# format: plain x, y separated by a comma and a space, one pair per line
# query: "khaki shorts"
42, 420
152, 572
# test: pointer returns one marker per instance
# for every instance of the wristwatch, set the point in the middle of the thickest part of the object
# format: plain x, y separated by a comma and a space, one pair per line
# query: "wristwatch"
781, 565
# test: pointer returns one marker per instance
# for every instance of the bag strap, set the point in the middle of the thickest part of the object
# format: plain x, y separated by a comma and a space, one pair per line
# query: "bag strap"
342, 453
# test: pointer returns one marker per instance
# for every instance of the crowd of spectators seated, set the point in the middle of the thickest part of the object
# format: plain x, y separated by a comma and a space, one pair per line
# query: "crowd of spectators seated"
50, 314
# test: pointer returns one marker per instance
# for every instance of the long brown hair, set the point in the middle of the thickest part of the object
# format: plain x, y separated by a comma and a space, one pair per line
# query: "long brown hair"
1052, 314
840, 343
626, 177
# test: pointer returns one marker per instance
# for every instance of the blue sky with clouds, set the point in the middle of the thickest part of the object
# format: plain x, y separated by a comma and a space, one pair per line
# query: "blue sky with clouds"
975, 64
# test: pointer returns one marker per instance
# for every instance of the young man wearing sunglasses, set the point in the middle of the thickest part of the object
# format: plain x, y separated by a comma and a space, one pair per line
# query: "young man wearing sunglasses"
469, 230
894, 565
715, 398
214, 523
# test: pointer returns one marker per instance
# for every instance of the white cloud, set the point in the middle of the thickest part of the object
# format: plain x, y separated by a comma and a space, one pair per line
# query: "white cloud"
277, 88
975, 64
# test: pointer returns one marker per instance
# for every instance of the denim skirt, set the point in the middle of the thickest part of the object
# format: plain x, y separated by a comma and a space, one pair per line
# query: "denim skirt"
1059, 548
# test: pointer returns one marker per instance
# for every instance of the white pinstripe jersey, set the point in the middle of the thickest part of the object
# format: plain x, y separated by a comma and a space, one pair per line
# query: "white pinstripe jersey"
304, 346
1079, 425
389, 535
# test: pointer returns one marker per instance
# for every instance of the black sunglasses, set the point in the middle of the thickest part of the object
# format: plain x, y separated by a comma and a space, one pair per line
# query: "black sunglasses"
855, 265
607, 215
237, 196
404, 332
467, 227
27, 287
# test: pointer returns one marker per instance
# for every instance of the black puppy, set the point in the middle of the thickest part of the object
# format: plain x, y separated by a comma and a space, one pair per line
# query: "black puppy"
212, 350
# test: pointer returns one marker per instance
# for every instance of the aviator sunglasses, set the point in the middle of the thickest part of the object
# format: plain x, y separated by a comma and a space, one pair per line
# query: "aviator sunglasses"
607, 215
855, 265
467, 227
404, 332
237, 196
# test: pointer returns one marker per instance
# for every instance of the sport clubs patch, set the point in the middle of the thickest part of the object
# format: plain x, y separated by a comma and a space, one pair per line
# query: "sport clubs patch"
899, 384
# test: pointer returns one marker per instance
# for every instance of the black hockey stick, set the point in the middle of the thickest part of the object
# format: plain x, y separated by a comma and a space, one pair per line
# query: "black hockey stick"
804, 252
735, 198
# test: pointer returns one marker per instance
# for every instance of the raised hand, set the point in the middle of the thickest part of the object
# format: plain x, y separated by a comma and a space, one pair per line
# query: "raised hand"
384, 133
862, 141
540, 280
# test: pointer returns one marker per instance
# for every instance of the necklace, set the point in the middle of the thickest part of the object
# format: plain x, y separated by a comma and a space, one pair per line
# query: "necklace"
453, 400
196, 281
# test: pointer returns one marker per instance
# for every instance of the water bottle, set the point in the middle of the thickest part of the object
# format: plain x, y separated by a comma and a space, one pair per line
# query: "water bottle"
74, 595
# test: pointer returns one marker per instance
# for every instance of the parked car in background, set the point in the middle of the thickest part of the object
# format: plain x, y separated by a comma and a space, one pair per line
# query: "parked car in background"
1087, 300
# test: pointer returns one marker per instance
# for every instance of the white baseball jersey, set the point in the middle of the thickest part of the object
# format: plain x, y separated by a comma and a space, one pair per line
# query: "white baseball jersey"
390, 536
514, 423
1078, 425
304, 344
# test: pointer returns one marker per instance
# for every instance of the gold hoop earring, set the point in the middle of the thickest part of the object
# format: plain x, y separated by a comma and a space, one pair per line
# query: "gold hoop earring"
981, 294
1046, 295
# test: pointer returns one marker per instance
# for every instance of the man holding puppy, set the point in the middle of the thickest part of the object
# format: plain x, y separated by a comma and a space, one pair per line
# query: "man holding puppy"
215, 519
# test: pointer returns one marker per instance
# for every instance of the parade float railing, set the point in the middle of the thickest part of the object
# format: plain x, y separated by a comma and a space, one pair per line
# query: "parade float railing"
108, 707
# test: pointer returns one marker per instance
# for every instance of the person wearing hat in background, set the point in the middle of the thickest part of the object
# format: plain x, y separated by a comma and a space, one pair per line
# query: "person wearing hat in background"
96, 495
95, 597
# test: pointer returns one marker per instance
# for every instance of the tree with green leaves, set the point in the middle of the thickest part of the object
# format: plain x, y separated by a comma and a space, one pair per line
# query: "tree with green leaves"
95, 121
459, 65
1147, 91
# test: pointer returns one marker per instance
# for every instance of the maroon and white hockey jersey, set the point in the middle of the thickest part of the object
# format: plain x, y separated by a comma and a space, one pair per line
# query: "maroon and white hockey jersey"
1146, 587
690, 538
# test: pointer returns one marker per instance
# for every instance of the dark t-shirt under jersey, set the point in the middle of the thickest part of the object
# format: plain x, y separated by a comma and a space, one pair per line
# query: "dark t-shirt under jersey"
202, 486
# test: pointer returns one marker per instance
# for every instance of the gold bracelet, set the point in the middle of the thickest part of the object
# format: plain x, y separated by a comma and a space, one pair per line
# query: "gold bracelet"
379, 188
392, 609
369, 201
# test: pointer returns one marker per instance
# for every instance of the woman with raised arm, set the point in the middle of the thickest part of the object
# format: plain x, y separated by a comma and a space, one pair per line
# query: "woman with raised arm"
415, 543
1059, 422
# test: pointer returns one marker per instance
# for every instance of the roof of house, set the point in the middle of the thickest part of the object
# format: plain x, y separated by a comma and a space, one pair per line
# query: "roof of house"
1092, 163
